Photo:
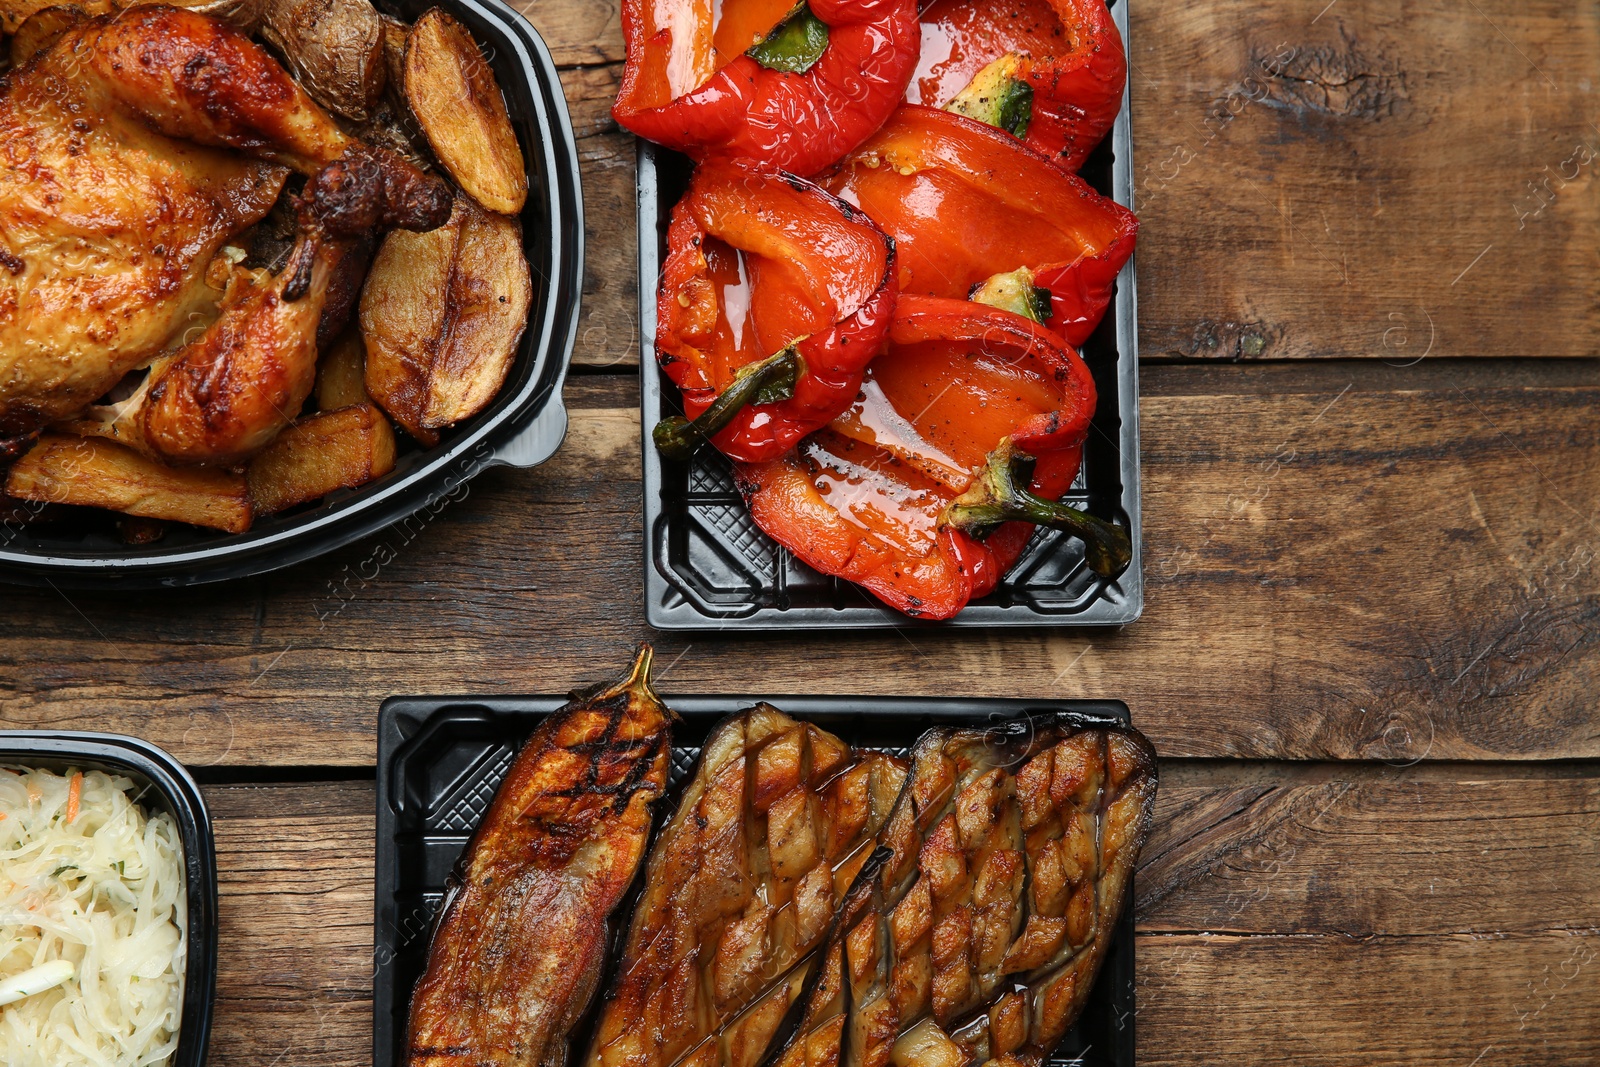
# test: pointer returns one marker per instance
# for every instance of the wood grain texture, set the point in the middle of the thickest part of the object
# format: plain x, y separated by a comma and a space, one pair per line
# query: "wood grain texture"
1288, 934
1377, 179
578, 32
1360, 562
608, 323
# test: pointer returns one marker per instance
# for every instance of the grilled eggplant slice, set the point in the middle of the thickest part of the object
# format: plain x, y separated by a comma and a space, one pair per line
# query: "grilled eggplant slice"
458, 104
517, 954
1008, 857
740, 891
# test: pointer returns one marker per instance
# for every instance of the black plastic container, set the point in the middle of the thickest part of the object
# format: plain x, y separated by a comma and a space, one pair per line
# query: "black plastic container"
522, 427
707, 566
164, 787
440, 760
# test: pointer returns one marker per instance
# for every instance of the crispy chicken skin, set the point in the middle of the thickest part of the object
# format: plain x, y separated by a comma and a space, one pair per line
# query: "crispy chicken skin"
225, 396
1004, 868
134, 149
740, 889
517, 954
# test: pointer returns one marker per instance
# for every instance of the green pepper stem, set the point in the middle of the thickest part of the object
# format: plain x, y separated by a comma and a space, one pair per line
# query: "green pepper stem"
995, 497
766, 382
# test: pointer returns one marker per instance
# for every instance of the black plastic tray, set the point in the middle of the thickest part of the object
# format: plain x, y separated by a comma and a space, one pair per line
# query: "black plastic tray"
440, 760
165, 786
521, 428
707, 566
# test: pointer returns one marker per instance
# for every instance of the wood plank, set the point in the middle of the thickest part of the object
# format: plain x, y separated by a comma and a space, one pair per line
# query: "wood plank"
1362, 570
577, 32
1370, 851
1327, 932
608, 326
1438, 1000
294, 961
1377, 179
1368, 194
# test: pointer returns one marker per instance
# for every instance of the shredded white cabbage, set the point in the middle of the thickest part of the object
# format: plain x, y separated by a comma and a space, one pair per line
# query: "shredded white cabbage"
104, 892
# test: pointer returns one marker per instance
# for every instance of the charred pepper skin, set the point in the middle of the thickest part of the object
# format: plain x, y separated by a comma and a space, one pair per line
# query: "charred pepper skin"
808, 273
1068, 54
938, 348
965, 201
801, 122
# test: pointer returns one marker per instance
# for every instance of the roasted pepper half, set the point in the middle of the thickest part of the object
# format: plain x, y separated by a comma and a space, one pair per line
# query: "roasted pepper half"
1049, 71
774, 297
920, 492
966, 201
764, 80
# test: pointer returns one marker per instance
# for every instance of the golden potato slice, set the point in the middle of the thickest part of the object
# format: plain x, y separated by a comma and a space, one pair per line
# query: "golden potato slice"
334, 48
395, 33
320, 453
95, 473
458, 104
441, 315
41, 29
342, 373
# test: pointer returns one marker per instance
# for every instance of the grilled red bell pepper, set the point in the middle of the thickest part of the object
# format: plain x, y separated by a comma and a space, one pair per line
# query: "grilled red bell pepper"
1064, 81
773, 299
965, 201
913, 493
690, 83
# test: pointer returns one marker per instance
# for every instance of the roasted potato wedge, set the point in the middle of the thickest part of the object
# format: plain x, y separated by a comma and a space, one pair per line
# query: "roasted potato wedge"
14, 13
342, 373
334, 48
458, 104
395, 33
320, 453
441, 315
138, 530
96, 473
40, 30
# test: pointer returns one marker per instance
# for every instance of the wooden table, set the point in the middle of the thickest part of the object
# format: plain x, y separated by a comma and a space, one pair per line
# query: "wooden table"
1371, 652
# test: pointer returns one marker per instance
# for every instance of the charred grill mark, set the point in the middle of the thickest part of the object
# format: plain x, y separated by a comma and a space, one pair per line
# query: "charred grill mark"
984, 794
518, 949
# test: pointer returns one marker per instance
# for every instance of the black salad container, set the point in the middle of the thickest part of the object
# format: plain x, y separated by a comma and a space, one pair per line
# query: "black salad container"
164, 786
708, 567
522, 427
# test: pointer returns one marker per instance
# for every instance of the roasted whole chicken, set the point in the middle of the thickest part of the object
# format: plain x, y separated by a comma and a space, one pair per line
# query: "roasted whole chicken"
138, 147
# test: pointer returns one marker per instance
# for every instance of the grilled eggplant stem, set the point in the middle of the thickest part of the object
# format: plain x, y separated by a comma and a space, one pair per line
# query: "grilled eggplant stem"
518, 951
979, 939
741, 887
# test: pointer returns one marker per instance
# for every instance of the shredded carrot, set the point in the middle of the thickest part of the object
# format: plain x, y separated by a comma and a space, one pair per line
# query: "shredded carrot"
74, 792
